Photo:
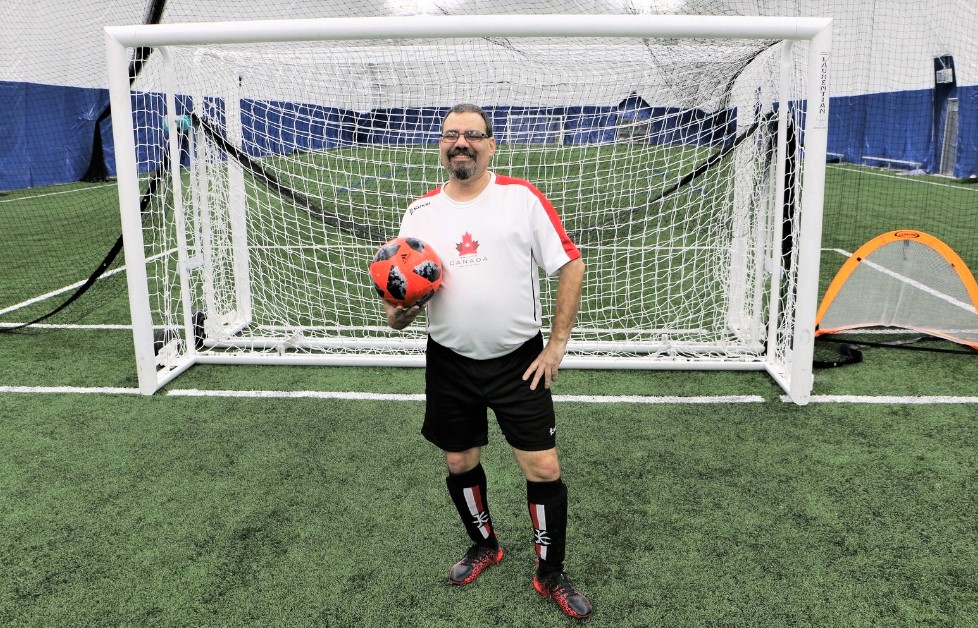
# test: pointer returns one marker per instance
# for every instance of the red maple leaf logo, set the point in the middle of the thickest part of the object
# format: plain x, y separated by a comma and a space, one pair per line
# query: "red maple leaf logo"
467, 246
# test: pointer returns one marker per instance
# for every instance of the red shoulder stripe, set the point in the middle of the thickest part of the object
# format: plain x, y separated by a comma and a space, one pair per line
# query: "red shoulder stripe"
569, 247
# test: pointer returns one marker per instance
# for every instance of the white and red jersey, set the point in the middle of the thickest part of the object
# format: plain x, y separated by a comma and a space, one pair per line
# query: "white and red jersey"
491, 249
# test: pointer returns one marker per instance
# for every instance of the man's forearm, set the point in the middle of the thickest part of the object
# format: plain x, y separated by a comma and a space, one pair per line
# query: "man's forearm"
568, 300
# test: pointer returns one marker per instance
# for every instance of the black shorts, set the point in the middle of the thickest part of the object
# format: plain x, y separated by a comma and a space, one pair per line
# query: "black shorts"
459, 390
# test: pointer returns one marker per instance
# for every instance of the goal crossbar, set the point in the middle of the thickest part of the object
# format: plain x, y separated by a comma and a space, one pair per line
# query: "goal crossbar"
467, 26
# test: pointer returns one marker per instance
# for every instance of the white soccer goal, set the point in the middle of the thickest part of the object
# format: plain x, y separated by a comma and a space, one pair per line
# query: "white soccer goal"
685, 155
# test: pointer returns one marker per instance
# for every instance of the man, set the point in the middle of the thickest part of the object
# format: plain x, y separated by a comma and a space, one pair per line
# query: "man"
485, 348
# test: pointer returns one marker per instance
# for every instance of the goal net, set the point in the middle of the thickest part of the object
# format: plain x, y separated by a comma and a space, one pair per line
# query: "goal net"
684, 154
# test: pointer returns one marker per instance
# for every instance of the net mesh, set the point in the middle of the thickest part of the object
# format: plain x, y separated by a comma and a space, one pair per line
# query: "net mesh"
300, 160
59, 208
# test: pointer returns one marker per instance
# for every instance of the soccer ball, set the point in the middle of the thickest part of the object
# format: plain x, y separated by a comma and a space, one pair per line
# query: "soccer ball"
406, 272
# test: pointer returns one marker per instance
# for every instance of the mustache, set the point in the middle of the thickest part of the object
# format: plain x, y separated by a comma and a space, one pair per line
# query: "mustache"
461, 151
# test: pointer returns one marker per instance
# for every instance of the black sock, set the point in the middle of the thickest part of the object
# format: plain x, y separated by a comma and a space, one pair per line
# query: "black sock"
548, 512
468, 492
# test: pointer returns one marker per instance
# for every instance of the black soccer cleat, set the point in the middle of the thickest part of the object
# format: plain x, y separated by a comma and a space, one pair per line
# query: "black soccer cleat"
476, 560
559, 587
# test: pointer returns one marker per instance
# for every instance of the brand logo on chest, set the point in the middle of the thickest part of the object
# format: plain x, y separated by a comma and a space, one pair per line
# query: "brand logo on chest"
468, 252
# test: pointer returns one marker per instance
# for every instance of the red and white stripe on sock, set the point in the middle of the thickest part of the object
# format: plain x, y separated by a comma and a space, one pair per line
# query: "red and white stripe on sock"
480, 516
541, 537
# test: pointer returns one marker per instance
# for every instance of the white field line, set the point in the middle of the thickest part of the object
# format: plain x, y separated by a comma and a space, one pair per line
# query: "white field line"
295, 394
78, 284
79, 390
54, 293
363, 396
103, 327
897, 177
639, 399
668, 399
71, 287
420, 397
73, 191
924, 400
912, 283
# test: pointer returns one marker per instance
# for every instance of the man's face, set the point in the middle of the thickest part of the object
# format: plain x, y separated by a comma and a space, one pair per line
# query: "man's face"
466, 159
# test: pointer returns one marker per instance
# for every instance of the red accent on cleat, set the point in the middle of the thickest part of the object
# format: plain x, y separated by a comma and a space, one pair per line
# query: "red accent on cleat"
559, 587
476, 560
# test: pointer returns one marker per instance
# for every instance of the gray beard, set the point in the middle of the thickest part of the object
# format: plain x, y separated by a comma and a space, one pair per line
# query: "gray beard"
462, 172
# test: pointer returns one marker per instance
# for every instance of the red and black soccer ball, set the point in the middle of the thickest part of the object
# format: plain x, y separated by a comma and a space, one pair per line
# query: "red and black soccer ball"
406, 272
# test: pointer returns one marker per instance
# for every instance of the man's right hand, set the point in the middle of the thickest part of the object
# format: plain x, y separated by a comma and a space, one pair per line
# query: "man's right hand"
400, 317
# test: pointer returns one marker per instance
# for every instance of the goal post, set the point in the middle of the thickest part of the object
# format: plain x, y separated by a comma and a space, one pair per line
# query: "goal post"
307, 139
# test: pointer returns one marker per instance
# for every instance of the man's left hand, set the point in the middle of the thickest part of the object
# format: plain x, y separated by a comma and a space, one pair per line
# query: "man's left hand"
546, 365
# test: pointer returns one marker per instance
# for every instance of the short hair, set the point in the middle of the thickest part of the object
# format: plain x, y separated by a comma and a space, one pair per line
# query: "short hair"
470, 108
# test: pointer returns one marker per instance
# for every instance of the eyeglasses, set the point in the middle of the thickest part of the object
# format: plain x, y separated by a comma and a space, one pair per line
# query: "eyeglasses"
470, 136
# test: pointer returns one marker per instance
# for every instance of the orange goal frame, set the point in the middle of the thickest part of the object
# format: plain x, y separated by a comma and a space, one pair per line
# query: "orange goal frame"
863, 252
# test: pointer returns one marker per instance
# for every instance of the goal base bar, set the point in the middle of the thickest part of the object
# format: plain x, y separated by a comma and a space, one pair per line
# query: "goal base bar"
417, 360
